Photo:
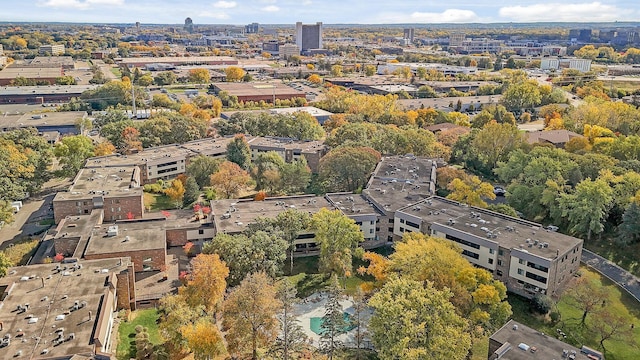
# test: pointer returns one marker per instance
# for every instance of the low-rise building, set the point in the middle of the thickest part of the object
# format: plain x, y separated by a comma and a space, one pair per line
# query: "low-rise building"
64, 310
141, 62
448, 104
549, 63
46, 75
515, 341
62, 122
41, 94
557, 138
396, 182
528, 258
51, 49
117, 190
267, 92
143, 240
290, 150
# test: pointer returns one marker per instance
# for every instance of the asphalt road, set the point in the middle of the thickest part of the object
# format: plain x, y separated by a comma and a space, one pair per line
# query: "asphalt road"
615, 273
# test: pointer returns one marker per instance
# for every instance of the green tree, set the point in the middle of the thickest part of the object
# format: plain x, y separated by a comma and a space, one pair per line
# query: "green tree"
414, 320
266, 171
201, 168
250, 315
6, 212
295, 176
586, 295
333, 322
292, 338
629, 229
247, 254
5, 263
238, 152
191, 192
495, 142
348, 168
165, 78
338, 237
292, 222
72, 151
587, 207
524, 95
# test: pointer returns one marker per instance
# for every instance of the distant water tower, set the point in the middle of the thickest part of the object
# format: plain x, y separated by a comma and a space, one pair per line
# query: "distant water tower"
188, 25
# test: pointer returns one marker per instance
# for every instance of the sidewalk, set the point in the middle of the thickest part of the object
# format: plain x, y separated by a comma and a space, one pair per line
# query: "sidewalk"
615, 273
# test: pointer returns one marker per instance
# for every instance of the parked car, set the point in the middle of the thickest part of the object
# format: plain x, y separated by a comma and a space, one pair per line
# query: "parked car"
499, 191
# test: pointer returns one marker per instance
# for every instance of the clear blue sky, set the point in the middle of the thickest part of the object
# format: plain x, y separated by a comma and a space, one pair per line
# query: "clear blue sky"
327, 11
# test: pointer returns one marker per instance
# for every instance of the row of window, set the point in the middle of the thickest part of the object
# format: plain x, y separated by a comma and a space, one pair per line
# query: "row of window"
409, 223
463, 242
471, 254
532, 276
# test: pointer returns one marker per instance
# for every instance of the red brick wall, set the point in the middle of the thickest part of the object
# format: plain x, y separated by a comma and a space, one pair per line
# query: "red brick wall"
158, 258
126, 289
117, 208
176, 237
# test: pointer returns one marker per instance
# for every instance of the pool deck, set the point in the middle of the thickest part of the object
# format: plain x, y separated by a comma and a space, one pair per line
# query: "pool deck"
313, 306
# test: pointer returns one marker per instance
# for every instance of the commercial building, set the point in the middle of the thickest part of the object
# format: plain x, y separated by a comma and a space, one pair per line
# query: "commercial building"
447, 70
65, 62
252, 28
288, 50
408, 34
55, 49
63, 311
515, 341
528, 258
45, 75
309, 36
178, 61
448, 104
62, 122
259, 92
583, 65
41, 94
116, 190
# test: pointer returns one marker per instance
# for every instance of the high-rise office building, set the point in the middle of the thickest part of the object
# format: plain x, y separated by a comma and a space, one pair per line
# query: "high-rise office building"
309, 36
408, 34
188, 25
251, 28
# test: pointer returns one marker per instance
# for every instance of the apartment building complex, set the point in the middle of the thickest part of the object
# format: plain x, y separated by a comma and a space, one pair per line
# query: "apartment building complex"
55, 49
528, 258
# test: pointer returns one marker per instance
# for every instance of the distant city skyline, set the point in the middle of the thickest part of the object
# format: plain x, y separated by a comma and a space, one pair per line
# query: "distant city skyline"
328, 11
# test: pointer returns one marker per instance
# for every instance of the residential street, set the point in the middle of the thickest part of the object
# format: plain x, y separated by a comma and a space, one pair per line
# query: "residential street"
615, 273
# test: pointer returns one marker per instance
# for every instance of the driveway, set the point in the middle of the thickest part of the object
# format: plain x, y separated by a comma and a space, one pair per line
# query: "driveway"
27, 220
615, 273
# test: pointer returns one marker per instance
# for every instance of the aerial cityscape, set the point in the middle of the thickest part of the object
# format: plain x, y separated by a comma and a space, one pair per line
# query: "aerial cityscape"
272, 179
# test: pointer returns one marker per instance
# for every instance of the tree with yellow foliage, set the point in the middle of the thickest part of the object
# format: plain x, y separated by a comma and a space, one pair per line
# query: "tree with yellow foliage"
199, 76
204, 339
471, 191
234, 73
250, 315
176, 191
315, 79
206, 283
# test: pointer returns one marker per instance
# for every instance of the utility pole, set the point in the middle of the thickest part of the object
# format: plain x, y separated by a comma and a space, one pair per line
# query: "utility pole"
133, 99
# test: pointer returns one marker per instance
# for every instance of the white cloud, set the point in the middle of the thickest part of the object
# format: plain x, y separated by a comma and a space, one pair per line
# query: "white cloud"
594, 11
80, 4
225, 4
447, 16
214, 15
271, 8
268, 1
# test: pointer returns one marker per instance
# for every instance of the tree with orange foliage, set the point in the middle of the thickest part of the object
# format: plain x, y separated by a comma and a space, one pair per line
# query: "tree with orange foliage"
207, 282
230, 179
315, 79
131, 139
260, 196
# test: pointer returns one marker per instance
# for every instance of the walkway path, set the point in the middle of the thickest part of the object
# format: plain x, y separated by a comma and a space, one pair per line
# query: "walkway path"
614, 272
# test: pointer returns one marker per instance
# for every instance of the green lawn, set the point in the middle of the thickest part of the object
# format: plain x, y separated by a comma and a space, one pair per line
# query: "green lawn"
578, 335
126, 332
157, 202
308, 281
117, 72
21, 251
